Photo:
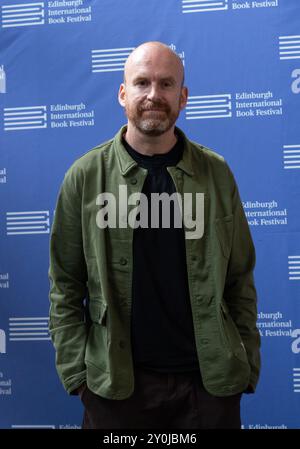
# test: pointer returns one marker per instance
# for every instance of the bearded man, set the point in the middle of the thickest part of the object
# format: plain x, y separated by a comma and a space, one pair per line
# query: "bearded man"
153, 326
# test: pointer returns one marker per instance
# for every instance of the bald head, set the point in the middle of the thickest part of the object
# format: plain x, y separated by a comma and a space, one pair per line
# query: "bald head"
153, 53
152, 92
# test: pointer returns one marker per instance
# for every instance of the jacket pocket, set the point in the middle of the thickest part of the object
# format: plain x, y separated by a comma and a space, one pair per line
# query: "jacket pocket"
98, 311
97, 344
231, 335
224, 227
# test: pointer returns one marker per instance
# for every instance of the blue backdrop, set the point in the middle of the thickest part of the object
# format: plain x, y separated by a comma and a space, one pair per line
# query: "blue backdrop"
61, 65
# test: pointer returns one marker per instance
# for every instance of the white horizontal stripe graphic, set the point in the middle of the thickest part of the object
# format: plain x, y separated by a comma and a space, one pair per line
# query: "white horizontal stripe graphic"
21, 5
29, 322
289, 37
8, 16
207, 107
109, 70
9, 225
209, 116
23, 24
16, 117
118, 64
290, 57
201, 5
28, 318
25, 127
33, 426
7, 12
17, 326
30, 339
202, 1
208, 111
113, 49
17, 331
109, 55
25, 107
209, 96
288, 42
222, 100
23, 334
15, 122
32, 122
32, 217
31, 212
11, 228
24, 19
297, 52
291, 46
19, 114
108, 60
203, 10
35, 232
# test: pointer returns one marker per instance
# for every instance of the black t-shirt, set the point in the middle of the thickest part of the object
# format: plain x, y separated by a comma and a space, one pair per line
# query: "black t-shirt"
162, 332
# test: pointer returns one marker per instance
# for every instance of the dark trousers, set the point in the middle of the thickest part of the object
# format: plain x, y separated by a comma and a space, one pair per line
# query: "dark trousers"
163, 401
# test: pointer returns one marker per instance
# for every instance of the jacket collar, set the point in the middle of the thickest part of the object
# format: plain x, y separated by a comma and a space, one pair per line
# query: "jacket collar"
126, 163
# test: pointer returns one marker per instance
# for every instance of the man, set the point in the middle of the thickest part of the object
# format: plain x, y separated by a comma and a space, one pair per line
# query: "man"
154, 324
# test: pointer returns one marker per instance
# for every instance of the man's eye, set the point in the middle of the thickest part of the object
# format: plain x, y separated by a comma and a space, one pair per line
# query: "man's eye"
142, 83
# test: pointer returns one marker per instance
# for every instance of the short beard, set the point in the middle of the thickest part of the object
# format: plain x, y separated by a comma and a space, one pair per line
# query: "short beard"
152, 126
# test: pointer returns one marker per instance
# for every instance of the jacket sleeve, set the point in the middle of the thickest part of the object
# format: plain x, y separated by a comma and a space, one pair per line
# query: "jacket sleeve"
68, 277
240, 293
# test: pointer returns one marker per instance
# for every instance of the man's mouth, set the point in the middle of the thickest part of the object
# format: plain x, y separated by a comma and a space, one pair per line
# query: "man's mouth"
154, 110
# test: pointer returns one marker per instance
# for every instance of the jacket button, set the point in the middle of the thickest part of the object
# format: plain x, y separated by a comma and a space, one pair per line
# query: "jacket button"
122, 344
133, 181
123, 261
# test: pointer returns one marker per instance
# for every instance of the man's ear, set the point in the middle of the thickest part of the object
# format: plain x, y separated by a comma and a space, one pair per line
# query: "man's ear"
121, 95
183, 97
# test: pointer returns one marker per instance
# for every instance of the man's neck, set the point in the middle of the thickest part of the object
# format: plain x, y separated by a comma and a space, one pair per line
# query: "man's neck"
150, 145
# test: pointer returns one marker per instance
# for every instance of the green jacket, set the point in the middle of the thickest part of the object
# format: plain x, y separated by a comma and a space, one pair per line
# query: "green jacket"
91, 268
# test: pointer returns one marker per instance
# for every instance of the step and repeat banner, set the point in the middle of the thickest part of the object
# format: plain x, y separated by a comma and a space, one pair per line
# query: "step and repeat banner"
61, 64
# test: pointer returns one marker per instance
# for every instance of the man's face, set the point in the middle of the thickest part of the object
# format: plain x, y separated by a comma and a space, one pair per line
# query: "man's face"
153, 94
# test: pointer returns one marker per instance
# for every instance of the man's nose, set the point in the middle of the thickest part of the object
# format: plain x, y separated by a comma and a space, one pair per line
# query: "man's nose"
153, 92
